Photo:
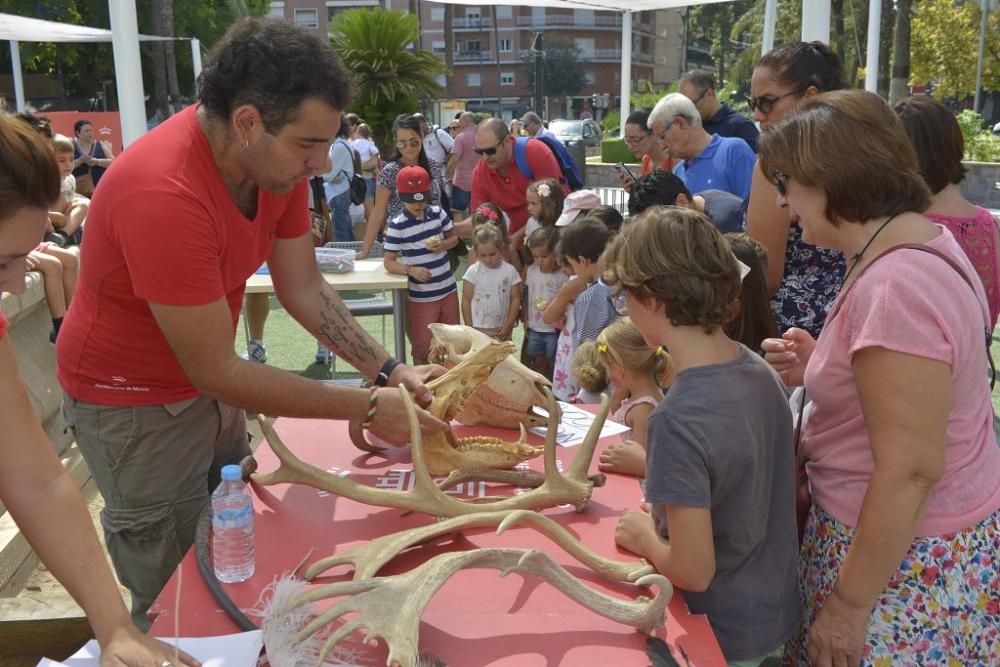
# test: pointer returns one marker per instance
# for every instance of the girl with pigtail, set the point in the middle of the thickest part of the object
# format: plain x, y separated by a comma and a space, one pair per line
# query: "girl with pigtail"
638, 374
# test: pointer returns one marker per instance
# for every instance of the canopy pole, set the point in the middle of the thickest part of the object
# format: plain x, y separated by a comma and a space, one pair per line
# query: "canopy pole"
626, 76
196, 61
128, 69
816, 21
874, 41
770, 19
15, 65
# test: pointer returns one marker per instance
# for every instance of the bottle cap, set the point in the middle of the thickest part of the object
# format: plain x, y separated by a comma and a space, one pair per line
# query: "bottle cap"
231, 472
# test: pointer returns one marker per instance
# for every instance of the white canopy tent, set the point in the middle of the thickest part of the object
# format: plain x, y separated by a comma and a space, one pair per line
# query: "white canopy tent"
125, 37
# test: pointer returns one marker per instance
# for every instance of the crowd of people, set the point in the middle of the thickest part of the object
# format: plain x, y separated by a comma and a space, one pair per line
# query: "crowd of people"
833, 252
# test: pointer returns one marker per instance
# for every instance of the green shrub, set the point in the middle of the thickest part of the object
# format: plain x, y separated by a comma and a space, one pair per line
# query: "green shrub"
614, 150
611, 121
980, 144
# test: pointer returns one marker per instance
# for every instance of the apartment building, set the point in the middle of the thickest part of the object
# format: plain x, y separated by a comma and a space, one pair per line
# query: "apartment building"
491, 45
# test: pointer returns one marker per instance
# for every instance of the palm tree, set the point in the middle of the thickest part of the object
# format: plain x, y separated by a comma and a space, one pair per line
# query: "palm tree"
375, 45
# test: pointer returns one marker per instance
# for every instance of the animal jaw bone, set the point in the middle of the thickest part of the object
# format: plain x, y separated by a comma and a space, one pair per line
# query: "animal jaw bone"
371, 556
508, 398
573, 488
390, 607
443, 452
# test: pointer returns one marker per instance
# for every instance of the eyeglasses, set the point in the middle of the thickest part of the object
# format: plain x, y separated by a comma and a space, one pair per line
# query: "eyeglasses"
765, 104
618, 302
412, 143
662, 136
490, 151
780, 182
700, 97
632, 141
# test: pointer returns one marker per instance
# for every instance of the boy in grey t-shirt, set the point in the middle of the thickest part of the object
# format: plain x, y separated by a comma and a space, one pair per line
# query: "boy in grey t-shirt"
719, 465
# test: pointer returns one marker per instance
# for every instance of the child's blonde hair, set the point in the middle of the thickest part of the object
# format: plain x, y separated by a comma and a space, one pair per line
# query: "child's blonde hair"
551, 195
622, 345
365, 130
590, 373
62, 144
489, 233
489, 213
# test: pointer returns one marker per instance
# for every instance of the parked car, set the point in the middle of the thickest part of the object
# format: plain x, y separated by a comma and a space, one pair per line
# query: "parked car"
588, 131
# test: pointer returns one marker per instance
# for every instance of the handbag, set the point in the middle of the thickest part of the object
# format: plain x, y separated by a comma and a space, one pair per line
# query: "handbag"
803, 497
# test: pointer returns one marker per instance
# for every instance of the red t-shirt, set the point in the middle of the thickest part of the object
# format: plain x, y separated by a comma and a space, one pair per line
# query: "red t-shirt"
163, 229
3, 324
508, 192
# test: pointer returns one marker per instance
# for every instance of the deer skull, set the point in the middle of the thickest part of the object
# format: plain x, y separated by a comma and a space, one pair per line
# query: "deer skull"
507, 398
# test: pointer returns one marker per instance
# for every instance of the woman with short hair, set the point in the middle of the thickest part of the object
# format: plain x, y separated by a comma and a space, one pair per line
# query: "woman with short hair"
34, 486
898, 561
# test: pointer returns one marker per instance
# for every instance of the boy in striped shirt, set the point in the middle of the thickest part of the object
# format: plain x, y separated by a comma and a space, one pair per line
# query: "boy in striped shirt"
416, 245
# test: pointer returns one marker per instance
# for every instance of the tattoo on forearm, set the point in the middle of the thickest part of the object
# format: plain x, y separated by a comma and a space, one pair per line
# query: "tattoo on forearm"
344, 335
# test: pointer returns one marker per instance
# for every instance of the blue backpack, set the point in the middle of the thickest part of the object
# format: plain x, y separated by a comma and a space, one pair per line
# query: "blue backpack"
570, 174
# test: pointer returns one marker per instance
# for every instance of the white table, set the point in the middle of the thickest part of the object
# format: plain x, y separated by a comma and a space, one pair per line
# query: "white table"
368, 274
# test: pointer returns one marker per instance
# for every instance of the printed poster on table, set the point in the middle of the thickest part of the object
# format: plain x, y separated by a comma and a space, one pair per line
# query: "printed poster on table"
575, 423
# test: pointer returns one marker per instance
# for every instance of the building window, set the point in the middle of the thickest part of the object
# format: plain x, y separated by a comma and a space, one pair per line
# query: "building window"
437, 46
503, 11
473, 14
504, 46
306, 18
590, 77
441, 80
473, 46
506, 78
437, 14
277, 10
472, 79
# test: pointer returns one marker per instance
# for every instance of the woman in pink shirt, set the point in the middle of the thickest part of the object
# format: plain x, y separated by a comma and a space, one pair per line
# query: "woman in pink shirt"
937, 138
898, 561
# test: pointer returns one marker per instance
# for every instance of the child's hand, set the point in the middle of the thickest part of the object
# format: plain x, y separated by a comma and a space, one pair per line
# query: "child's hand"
626, 458
31, 262
420, 274
634, 531
432, 242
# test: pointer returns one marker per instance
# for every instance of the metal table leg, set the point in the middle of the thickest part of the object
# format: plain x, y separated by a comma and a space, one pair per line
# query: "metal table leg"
399, 322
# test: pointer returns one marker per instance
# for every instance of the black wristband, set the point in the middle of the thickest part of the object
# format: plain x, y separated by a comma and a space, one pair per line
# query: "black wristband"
382, 379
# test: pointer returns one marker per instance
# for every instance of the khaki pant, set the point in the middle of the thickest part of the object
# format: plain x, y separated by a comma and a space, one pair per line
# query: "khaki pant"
156, 467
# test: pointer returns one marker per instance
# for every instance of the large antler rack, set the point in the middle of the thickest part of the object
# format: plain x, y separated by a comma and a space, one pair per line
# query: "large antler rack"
574, 487
390, 607
370, 557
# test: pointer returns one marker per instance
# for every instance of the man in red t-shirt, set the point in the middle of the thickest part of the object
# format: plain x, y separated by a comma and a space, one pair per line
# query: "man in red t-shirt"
154, 388
497, 179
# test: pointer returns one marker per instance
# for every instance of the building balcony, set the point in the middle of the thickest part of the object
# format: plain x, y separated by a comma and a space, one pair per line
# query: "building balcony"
569, 21
466, 23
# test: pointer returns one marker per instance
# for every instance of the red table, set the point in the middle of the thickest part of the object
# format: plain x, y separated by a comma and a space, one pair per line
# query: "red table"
477, 618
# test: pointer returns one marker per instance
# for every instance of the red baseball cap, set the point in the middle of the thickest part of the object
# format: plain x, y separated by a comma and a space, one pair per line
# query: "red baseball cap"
413, 185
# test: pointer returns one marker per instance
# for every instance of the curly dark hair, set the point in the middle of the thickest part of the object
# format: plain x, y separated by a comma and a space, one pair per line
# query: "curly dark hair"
657, 188
273, 66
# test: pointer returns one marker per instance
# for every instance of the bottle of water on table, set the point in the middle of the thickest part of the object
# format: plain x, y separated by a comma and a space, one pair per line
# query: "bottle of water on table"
232, 528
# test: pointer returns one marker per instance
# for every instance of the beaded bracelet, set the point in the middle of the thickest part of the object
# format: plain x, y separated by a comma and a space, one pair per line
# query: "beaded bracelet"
372, 407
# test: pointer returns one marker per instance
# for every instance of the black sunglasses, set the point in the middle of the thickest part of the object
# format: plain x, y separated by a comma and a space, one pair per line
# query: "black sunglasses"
766, 104
490, 151
780, 182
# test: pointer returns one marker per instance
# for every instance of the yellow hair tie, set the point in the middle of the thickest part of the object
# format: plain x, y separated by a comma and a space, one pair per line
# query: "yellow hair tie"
602, 347
660, 352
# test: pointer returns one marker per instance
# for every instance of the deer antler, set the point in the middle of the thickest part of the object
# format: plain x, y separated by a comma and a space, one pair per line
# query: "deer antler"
574, 487
390, 607
370, 557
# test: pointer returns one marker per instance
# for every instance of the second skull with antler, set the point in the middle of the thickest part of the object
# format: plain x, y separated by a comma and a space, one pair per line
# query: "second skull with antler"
485, 385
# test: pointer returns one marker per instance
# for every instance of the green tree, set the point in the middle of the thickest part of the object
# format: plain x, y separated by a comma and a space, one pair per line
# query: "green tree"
562, 65
944, 44
389, 76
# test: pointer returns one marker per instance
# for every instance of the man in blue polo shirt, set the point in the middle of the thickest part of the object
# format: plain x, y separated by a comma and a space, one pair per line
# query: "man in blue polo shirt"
710, 162
716, 117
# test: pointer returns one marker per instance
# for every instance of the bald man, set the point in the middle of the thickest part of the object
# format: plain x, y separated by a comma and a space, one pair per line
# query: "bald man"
461, 164
497, 178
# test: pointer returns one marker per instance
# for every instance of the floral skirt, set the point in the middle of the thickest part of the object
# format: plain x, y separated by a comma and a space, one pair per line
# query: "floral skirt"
942, 607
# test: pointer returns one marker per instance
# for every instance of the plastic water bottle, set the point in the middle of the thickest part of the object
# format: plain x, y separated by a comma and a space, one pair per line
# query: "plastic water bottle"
232, 528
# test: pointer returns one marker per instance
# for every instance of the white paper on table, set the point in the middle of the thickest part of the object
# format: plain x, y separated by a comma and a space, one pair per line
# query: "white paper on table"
239, 650
361, 266
574, 425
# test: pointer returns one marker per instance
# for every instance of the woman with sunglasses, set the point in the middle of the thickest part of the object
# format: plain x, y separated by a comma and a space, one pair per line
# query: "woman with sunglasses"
644, 146
408, 151
34, 486
801, 278
898, 562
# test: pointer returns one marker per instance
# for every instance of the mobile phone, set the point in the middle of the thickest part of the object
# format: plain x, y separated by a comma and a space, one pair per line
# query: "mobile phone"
624, 172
